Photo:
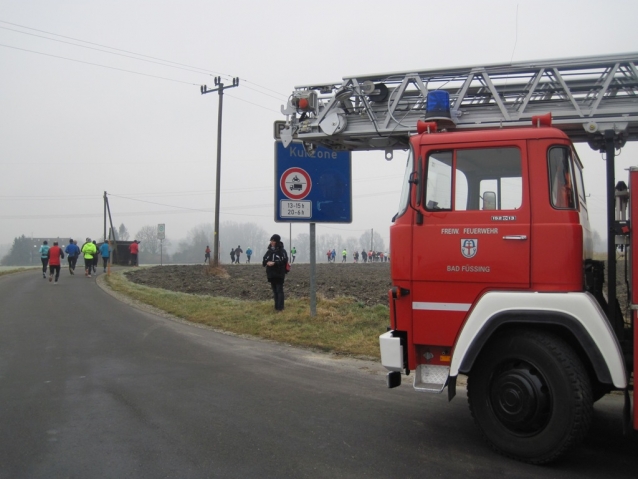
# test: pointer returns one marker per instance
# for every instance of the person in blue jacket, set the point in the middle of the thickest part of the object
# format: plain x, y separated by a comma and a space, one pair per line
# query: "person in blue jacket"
73, 252
44, 257
105, 253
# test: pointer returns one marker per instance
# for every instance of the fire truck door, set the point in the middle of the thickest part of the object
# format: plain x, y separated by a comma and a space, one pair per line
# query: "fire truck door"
475, 236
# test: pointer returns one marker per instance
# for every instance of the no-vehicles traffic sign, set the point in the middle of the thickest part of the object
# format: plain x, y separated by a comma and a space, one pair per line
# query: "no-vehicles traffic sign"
312, 187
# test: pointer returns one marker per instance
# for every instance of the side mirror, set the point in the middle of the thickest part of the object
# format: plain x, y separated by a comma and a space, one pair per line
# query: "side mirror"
489, 200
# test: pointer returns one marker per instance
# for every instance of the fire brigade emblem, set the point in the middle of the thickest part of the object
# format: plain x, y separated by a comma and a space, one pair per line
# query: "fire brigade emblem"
469, 247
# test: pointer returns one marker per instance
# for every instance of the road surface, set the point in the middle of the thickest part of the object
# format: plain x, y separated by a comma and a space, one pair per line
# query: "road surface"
91, 387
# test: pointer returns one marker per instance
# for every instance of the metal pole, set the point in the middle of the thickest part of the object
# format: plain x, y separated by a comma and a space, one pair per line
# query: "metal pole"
105, 216
313, 272
610, 156
219, 174
220, 91
108, 208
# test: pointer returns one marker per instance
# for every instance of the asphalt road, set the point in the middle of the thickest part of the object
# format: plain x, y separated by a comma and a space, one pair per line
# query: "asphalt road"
93, 388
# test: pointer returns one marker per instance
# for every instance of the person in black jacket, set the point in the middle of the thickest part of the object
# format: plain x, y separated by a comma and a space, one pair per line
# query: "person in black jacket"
275, 261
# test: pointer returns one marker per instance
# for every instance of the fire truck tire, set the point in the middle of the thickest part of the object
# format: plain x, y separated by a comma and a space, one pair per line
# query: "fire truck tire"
530, 396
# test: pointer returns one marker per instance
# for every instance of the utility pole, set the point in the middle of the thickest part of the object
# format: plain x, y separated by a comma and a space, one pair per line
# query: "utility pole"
220, 90
105, 217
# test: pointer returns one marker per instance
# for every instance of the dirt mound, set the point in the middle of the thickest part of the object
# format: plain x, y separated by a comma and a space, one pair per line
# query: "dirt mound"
367, 283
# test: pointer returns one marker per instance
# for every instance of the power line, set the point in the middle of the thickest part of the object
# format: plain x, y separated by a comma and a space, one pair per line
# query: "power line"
164, 61
112, 48
98, 65
263, 87
106, 51
266, 94
137, 73
246, 101
160, 204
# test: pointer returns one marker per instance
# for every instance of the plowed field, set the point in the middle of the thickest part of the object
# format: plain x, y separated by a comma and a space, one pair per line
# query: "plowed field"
367, 283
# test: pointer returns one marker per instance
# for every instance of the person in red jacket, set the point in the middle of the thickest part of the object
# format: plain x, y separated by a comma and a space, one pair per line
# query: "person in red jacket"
134, 248
55, 255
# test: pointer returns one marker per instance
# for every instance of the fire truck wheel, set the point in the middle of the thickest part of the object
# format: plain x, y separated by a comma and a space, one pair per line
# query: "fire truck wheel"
530, 396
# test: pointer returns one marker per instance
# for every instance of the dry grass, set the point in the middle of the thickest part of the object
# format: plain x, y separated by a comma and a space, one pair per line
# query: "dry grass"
13, 270
219, 271
341, 326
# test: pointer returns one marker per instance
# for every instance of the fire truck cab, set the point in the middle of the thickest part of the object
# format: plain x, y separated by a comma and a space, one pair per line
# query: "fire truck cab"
490, 254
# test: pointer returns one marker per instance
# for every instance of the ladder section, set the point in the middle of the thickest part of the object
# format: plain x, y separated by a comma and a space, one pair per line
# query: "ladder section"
586, 97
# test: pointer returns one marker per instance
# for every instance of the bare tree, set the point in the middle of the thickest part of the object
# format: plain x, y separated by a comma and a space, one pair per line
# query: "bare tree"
328, 242
377, 244
302, 243
351, 244
122, 233
246, 235
191, 250
149, 243
200, 237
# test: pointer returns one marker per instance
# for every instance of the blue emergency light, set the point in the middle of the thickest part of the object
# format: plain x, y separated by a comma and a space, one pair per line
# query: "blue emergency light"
438, 105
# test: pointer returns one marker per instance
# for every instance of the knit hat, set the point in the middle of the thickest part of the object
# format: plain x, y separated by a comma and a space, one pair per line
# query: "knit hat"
276, 238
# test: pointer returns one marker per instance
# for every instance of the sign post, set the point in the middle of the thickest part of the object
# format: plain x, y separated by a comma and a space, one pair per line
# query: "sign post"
161, 234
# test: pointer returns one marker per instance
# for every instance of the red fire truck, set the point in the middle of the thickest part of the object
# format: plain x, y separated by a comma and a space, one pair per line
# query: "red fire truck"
492, 265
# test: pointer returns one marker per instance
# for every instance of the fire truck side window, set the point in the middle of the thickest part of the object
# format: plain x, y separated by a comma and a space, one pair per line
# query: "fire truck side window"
438, 193
488, 179
483, 179
561, 178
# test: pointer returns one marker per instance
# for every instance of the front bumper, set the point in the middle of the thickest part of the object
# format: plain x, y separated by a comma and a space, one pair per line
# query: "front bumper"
391, 351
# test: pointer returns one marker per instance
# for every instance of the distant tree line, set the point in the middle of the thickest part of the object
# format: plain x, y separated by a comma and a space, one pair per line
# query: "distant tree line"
191, 249
20, 253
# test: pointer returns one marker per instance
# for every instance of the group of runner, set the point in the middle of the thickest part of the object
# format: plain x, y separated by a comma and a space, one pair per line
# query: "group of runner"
52, 256
372, 256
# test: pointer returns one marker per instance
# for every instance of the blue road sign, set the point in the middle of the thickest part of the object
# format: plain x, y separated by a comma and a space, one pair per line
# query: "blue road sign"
313, 188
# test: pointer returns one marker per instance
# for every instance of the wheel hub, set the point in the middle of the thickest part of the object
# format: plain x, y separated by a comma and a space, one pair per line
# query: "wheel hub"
520, 399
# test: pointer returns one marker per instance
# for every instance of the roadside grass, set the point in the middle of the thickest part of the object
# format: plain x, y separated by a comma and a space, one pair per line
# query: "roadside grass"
341, 326
13, 270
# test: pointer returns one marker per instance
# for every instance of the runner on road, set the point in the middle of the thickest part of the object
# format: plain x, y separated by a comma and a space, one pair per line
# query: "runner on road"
105, 253
55, 255
88, 250
73, 251
44, 257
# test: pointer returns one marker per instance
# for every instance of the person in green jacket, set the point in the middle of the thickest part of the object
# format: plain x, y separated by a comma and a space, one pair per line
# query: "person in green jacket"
88, 250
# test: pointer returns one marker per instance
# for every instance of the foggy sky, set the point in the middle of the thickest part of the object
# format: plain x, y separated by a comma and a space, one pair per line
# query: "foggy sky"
71, 128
